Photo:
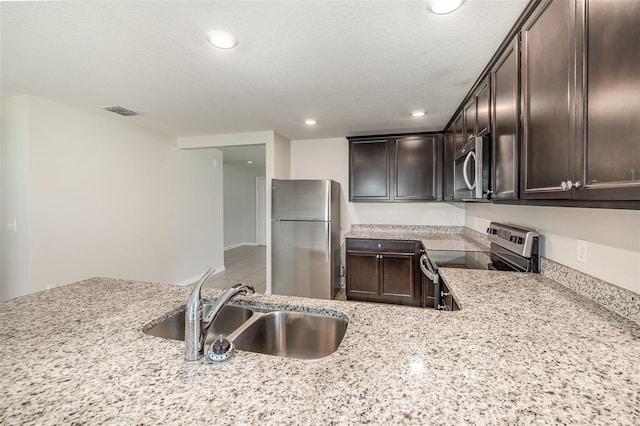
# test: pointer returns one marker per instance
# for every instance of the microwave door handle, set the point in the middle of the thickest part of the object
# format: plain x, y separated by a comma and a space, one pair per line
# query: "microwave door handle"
465, 169
480, 155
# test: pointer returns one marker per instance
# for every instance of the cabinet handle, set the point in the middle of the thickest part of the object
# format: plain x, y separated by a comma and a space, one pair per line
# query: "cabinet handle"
444, 294
568, 185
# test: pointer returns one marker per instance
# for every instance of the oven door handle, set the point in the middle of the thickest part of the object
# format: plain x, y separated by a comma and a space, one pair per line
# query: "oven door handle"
426, 270
465, 170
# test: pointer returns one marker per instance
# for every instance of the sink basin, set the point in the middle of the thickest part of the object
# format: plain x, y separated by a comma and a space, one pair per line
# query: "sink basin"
292, 335
281, 333
229, 319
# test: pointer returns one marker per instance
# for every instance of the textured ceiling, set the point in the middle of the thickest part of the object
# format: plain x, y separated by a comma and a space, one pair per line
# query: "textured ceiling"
356, 66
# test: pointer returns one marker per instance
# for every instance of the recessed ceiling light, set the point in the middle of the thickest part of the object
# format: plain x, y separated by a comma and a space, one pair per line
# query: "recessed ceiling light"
418, 113
310, 121
249, 162
222, 39
442, 7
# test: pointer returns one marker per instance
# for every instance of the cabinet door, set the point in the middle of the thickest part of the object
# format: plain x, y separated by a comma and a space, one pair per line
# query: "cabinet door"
448, 166
458, 134
397, 278
363, 278
469, 122
370, 162
483, 108
415, 169
506, 128
548, 86
611, 169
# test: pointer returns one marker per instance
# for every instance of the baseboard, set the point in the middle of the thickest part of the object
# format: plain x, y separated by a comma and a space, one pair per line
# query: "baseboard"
239, 245
195, 279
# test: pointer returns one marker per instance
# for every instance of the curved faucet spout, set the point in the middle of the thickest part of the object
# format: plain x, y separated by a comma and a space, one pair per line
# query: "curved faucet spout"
233, 291
195, 327
194, 303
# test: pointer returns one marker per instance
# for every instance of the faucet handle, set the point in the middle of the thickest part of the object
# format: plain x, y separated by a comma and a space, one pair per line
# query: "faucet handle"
249, 290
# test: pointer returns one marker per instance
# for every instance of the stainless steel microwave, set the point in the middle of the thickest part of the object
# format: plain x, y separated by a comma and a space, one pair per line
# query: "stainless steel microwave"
472, 170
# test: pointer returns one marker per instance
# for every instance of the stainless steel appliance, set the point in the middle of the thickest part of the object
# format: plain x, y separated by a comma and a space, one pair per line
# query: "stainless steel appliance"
305, 236
512, 249
472, 170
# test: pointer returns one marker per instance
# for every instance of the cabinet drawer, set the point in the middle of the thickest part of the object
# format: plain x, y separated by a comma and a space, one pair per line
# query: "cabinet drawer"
381, 246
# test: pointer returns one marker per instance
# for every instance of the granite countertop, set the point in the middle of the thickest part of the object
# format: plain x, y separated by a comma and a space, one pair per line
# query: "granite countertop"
431, 240
522, 350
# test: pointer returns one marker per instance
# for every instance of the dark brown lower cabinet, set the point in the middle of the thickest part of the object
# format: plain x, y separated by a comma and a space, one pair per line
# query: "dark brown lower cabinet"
447, 301
383, 271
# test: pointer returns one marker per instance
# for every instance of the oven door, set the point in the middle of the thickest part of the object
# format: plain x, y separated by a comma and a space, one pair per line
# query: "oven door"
430, 283
471, 170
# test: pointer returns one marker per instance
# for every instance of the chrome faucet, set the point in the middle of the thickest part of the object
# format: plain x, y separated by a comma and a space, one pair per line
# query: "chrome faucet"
195, 327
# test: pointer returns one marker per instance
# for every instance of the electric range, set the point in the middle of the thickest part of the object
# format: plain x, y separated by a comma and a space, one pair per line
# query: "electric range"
511, 249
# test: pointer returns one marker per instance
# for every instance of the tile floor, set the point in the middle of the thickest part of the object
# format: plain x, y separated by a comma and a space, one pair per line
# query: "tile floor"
246, 264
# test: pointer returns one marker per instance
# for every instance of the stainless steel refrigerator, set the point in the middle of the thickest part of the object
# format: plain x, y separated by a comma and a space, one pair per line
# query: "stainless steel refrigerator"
305, 238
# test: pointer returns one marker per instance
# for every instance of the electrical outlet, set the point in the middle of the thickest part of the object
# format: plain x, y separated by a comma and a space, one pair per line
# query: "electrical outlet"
581, 253
12, 224
457, 218
379, 215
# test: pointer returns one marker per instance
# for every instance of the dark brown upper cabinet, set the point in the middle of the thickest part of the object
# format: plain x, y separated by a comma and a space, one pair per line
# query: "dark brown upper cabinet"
400, 168
483, 108
505, 121
469, 120
476, 113
580, 108
608, 159
458, 133
370, 170
548, 100
448, 188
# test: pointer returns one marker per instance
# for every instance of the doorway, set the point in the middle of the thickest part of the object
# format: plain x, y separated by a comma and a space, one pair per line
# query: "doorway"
243, 166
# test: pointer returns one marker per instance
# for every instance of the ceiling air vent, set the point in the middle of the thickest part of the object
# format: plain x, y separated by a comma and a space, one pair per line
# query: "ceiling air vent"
120, 110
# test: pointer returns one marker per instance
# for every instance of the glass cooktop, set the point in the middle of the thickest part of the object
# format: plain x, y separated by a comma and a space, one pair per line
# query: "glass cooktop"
460, 259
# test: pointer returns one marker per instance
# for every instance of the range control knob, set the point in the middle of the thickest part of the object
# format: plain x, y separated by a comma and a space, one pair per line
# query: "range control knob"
515, 239
492, 231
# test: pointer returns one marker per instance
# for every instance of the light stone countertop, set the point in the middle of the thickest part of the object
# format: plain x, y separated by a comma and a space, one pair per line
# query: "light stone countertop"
523, 350
430, 240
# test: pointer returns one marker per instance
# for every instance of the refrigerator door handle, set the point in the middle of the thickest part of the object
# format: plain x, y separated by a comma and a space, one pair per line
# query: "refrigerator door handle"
328, 242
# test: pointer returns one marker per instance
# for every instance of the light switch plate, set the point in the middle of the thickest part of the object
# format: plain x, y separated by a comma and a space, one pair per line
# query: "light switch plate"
581, 253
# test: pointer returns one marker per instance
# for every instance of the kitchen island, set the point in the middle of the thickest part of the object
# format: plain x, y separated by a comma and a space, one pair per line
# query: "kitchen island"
522, 350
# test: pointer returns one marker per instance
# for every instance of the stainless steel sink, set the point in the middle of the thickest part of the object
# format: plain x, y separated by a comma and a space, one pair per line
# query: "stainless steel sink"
280, 333
230, 318
292, 335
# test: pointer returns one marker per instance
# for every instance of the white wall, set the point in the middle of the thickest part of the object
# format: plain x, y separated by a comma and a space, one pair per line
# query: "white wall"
613, 236
109, 198
329, 159
15, 273
240, 204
